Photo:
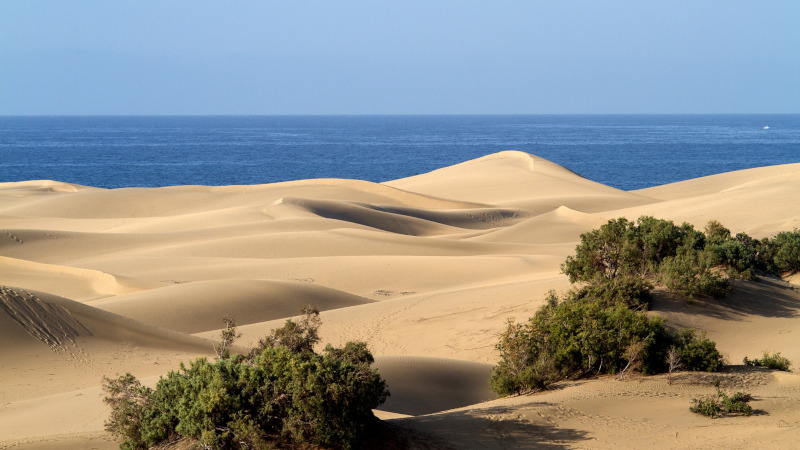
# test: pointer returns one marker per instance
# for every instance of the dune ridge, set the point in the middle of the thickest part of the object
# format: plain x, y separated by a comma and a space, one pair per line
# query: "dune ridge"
426, 270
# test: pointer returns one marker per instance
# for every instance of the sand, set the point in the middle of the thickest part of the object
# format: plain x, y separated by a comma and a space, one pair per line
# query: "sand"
425, 269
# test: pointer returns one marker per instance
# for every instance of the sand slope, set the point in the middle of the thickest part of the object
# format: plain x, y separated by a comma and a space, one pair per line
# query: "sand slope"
426, 270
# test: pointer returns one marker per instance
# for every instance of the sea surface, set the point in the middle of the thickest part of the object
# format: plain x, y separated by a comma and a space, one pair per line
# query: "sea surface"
624, 151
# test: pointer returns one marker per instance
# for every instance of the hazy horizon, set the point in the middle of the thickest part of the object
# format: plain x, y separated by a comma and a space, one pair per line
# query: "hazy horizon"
398, 58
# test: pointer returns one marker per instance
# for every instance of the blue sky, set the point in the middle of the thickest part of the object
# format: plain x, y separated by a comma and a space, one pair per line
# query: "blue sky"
399, 57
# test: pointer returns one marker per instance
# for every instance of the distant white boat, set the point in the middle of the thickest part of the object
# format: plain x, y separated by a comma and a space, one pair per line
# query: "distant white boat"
766, 127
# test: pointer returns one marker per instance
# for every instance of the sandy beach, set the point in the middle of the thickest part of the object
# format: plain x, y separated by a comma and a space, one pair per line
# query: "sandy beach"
425, 269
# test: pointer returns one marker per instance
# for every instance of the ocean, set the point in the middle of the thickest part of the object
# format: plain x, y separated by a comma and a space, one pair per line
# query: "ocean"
625, 151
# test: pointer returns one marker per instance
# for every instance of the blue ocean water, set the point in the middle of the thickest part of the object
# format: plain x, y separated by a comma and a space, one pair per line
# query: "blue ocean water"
624, 151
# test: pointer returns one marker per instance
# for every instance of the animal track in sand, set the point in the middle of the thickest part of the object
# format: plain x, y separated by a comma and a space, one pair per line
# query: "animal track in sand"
52, 324
388, 293
14, 238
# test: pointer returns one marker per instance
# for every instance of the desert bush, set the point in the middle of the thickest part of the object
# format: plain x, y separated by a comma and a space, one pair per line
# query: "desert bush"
707, 406
660, 239
697, 352
716, 232
685, 260
284, 394
621, 248
581, 336
739, 259
128, 400
300, 336
523, 366
633, 292
721, 404
787, 251
771, 361
692, 272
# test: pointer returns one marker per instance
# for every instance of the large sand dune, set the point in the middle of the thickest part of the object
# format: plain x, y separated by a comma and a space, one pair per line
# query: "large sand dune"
426, 270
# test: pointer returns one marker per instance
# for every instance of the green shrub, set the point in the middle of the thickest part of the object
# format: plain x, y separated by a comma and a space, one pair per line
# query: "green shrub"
692, 273
300, 336
284, 394
707, 406
716, 233
685, 260
774, 361
581, 335
128, 400
596, 328
659, 239
621, 248
765, 250
787, 251
722, 404
737, 257
633, 292
697, 352
603, 253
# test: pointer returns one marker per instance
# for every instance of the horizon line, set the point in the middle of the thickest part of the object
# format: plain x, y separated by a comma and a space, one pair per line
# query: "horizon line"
400, 114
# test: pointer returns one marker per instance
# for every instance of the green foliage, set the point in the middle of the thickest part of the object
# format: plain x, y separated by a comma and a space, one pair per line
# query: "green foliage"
626, 249
787, 251
603, 253
660, 239
774, 361
522, 366
716, 233
721, 404
685, 260
738, 257
128, 400
633, 292
691, 272
599, 327
707, 406
697, 352
285, 394
354, 352
296, 336
581, 335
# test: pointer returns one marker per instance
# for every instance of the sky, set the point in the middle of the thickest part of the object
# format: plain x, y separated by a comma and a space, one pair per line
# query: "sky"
399, 57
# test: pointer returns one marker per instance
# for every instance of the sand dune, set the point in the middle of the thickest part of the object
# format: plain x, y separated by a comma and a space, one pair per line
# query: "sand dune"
55, 320
758, 201
200, 306
69, 281
519, 180
739, 323
558, 226
425, 269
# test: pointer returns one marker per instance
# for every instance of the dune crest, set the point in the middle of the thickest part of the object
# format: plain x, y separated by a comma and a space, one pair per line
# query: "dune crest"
201, 306
64, 280
521, 180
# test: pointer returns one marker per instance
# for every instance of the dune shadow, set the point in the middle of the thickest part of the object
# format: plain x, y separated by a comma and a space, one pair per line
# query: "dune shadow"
421, 385
489, 428
768, 297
